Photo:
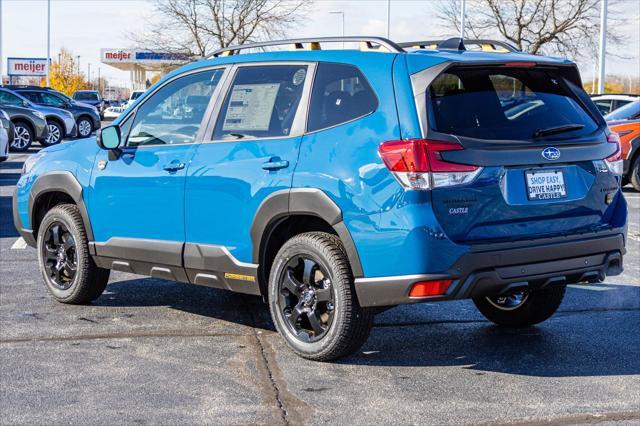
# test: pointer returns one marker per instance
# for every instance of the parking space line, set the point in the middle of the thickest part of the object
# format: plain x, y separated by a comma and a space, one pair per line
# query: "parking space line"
590, 287
20, 244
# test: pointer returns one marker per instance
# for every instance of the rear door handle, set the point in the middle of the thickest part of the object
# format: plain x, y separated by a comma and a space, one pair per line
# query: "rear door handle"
174, 166
275, 164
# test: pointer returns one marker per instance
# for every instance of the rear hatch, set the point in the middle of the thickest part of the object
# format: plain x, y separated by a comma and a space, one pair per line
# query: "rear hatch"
540, 148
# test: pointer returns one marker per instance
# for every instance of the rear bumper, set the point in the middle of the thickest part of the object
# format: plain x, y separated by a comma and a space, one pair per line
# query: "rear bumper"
482, 272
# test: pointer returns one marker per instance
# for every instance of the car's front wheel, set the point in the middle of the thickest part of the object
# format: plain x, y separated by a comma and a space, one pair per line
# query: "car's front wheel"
84, 127
22, 137
56, 134
69, 272
312, 299
521, 309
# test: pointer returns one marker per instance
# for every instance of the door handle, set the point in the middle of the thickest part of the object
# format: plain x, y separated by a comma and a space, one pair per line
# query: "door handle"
275, 164
174, 166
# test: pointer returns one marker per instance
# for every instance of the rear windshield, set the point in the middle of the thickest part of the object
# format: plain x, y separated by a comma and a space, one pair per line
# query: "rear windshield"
87, 96
506, 103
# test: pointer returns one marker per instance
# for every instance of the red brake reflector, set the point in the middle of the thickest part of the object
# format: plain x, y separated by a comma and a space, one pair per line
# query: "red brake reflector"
430, 288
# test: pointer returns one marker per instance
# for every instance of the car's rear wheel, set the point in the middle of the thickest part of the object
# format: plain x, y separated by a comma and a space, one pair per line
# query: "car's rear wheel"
56, 134
22, 137
69, 272
634, 173
84, 127
521, 309
312, 299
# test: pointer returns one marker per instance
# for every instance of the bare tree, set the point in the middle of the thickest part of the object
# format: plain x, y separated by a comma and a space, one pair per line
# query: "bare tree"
564, 27
197, 27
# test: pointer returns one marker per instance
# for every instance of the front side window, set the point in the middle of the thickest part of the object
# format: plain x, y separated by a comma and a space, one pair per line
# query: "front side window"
173, 114
262, 102
7, 98
340, 94
505, 103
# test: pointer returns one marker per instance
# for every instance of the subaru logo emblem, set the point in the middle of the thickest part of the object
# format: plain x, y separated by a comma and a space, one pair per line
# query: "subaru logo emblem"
551, 153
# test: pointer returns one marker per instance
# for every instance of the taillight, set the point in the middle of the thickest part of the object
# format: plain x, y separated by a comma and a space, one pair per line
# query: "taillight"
615, 161
418, 164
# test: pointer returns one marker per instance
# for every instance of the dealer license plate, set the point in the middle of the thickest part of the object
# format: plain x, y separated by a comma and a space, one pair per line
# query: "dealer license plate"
545, 185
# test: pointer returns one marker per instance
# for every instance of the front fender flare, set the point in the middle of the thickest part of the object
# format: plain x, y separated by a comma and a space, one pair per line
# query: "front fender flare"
59, 181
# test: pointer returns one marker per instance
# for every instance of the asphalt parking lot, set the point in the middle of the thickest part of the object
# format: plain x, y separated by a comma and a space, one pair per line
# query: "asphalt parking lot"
154, 351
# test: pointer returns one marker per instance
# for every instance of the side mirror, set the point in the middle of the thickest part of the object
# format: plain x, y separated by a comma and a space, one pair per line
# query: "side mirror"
108, 137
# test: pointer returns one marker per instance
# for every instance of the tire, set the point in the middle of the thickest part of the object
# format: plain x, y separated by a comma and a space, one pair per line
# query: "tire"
85, 128
56, 134
79, 285
22, 137
333, 302
535, 307
634, 173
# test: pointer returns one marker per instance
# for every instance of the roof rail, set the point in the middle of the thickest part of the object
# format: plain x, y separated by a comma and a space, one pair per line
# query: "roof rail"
459, 44
366, 43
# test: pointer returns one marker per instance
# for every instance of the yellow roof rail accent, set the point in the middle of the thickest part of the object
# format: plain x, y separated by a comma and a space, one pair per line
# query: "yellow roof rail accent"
492, 48
314, 45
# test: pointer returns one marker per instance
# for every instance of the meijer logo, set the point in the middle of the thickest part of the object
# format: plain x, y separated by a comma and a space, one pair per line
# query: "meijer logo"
118, 56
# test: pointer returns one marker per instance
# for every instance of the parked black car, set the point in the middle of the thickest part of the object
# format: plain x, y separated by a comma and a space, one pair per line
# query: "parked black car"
87, 116
91, 97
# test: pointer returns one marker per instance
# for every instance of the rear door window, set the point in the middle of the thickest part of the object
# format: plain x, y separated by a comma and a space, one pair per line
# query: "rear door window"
505, 103
262, 102
340, 94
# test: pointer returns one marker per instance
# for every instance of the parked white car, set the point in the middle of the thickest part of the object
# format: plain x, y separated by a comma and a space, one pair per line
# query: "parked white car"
609, 103
4, 144
112, 113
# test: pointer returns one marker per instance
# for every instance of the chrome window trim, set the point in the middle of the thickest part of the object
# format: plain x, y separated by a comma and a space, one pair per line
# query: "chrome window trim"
300, 120
420, 82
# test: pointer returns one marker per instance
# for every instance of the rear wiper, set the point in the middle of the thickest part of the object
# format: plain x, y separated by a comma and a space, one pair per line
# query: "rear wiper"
558, 129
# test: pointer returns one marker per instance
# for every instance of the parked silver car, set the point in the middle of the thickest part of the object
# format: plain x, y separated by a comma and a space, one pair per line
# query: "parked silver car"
60, 122
6, 132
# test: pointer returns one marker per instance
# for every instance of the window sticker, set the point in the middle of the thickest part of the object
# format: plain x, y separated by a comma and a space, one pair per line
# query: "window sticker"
298, 77
250, 107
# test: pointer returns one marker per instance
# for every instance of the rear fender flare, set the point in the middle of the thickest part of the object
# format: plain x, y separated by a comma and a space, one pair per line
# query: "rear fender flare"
302, 201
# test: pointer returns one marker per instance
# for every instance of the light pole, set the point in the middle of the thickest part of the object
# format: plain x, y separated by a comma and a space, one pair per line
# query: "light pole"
603, 46
89, 75
463, 8
78, 58
48, 41
1, 80
389, 19
340, 12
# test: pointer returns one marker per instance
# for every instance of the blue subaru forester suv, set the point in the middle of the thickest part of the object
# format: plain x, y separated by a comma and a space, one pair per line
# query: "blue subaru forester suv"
337, 183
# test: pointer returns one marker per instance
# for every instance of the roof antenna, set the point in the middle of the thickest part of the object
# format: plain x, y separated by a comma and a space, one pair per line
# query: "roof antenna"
454, 43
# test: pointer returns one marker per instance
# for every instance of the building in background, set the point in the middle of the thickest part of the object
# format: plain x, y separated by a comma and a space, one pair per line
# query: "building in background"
140, 62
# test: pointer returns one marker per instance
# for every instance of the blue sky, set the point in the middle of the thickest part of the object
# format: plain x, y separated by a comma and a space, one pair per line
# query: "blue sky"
86, 26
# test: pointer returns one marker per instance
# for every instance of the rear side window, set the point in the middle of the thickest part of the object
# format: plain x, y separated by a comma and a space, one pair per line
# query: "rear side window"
340, 94
505, 103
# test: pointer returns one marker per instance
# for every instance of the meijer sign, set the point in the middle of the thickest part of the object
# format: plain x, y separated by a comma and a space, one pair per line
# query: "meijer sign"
27, 66
117, 55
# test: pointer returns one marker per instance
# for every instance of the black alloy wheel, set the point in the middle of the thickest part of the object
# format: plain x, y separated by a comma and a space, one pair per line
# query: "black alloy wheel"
306, 298
60, 255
